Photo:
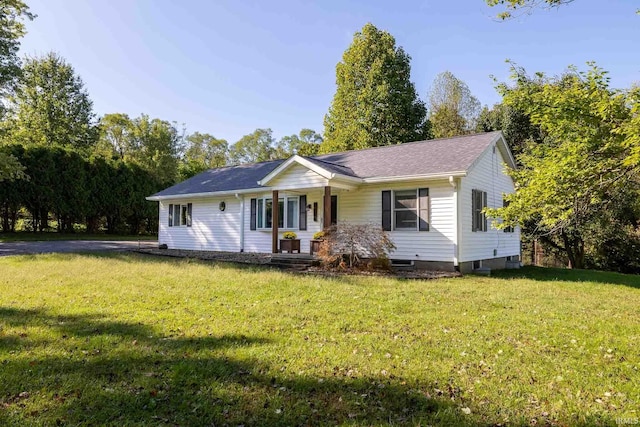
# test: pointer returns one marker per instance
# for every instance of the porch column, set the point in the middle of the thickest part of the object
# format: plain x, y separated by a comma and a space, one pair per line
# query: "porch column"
326, 221
274, 222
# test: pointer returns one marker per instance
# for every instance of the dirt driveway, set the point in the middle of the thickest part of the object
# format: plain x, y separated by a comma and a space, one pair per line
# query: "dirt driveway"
21, 248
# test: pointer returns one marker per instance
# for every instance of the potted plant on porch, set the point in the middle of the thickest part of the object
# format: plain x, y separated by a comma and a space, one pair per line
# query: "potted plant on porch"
289, 242
315, 242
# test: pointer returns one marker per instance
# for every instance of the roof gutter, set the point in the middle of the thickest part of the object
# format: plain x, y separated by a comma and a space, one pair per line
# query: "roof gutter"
445, 176
207, 194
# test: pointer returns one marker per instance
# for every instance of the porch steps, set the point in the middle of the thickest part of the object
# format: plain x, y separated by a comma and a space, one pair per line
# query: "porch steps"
297, 262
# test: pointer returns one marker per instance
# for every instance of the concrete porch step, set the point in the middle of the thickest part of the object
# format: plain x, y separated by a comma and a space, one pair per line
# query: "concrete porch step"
293, 261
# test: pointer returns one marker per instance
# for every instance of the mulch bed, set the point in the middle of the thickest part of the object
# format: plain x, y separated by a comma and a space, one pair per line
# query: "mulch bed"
264, 259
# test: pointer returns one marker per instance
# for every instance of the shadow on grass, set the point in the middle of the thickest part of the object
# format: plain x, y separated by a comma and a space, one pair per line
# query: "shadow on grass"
94, 371
561, 274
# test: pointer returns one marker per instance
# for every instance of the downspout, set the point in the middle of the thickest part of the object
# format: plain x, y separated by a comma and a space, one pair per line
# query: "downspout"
456, 217
241, 198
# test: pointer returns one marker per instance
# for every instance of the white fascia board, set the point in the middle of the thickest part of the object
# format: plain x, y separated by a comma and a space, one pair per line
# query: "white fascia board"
506, 152
434, 176
295, 159
208, 194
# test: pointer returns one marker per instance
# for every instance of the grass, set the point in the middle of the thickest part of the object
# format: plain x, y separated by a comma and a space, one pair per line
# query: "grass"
45, 236
122, 339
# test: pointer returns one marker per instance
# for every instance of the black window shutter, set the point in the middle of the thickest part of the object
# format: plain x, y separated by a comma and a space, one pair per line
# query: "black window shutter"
302, 221
252, 225
189, 210
386, 210
482, 215
170, 215
423, 194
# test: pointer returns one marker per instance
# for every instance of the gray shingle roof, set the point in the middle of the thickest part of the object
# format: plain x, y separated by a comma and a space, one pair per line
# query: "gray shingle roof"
223, 179
414, 158
435, 156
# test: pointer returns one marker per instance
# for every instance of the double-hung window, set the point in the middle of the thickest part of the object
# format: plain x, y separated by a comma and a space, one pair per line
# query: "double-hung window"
180, 215
288, 212
405, 209
478, 203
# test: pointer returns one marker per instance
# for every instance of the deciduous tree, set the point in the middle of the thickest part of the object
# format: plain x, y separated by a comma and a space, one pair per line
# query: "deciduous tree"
375, 102
584, 170
203, 152
255, 147
306, 143
453, 109
50, 107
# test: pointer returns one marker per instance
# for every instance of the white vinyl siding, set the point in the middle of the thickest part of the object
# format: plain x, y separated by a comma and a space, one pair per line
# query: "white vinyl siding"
364, 205
488, 175
211, 229
297, 177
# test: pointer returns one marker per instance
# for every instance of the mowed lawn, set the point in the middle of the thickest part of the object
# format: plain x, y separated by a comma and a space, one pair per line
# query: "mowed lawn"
132, 340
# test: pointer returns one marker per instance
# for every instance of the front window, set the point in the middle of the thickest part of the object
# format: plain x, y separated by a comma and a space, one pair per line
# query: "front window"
405, 209
288, 216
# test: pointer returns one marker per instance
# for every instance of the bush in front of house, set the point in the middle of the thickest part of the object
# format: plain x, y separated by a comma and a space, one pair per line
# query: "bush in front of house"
351, 245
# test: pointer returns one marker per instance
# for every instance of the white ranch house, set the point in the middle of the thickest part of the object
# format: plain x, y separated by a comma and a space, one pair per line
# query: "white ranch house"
428, 195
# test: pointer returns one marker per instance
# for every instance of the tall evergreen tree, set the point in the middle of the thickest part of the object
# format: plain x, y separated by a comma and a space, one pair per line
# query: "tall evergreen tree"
375, 102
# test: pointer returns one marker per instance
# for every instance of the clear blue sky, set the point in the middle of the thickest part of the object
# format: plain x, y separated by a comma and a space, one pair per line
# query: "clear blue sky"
227, 67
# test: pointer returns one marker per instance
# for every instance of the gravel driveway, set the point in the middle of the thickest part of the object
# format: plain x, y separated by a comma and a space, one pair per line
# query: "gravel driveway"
21, 248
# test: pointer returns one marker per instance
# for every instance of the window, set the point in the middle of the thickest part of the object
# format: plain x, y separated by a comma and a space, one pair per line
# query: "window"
405, 209
478, 203
180, 215
289, 215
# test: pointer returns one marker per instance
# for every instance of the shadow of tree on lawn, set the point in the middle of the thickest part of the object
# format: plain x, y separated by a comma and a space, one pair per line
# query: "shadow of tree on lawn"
119, 373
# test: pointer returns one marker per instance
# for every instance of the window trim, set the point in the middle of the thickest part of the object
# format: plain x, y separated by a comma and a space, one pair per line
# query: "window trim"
261, 213
180, 215
417, 210
479, 218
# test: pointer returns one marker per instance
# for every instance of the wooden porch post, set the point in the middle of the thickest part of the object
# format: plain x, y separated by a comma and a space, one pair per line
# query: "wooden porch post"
274, 221
326, 221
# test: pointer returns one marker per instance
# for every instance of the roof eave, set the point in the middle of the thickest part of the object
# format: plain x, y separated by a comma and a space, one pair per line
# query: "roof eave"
206, 194
431, 176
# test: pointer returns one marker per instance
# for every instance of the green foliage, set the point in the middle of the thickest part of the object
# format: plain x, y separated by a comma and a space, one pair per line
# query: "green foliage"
13, 14
453, 109
77, 190
375, 102
178, 342
203, 152
151, 144
585, 169
253, 148
515, 125
10, 168
527, 6
50, 107
306, 143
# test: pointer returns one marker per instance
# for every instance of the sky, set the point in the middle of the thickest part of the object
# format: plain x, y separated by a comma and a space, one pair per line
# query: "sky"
228, 67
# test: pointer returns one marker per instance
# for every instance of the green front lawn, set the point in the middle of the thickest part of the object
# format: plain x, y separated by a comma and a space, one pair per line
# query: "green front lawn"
34, 237
123, 339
